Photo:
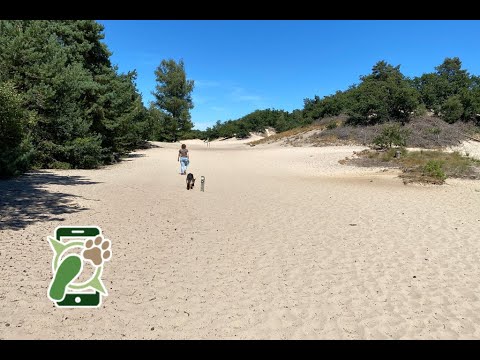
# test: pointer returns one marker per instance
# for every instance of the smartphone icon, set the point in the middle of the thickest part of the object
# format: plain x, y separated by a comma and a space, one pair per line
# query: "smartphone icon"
67, 234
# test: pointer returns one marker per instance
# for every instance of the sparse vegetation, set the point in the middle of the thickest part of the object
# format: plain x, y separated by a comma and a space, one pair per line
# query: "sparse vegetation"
436, 131
424, 132
332, 125
287, 134
424, 166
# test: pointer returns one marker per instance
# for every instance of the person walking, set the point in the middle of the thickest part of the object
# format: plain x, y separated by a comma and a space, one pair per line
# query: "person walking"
184, 159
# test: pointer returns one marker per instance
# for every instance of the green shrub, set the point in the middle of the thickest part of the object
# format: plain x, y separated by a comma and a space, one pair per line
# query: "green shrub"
60, 165
436, 131
85, 153
421, 110
452, 109
331, 125
434, 169
242, 133
15, 161
392, 134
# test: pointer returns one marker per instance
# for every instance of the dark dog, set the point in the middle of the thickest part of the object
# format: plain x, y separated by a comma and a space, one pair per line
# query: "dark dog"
190, 181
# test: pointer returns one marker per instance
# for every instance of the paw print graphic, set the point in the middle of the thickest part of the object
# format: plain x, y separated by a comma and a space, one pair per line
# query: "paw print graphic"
97, 251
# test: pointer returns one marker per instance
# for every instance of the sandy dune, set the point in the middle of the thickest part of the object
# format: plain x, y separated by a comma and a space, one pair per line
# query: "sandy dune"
285, 243
468, 148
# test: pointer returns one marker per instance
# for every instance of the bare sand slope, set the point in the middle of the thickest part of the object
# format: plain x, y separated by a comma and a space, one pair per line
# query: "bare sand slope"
468, 148
283, 243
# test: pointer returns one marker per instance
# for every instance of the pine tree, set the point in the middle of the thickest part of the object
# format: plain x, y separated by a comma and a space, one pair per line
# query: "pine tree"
85, 110
173, 96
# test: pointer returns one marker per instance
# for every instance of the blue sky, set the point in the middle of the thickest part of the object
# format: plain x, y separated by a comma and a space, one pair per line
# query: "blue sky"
240, 66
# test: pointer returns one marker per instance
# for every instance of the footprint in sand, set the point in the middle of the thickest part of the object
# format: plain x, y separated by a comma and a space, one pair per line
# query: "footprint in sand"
97, 251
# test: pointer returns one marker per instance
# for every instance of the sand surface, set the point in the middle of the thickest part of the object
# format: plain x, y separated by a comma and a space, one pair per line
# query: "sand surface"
285, 243
468, 148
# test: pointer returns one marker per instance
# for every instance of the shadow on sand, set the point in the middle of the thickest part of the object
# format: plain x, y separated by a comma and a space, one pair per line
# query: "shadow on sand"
149, 145
134, 155
24, 202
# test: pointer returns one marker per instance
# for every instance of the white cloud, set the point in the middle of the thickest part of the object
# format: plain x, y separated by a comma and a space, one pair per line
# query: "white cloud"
199, 99
206, 83
240, 94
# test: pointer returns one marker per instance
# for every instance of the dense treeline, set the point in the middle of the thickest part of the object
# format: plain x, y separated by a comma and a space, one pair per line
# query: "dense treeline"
256, 121
62, 103
449, 92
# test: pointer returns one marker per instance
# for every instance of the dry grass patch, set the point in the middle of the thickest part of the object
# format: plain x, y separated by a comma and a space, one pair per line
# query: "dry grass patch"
425, 166
423, 132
